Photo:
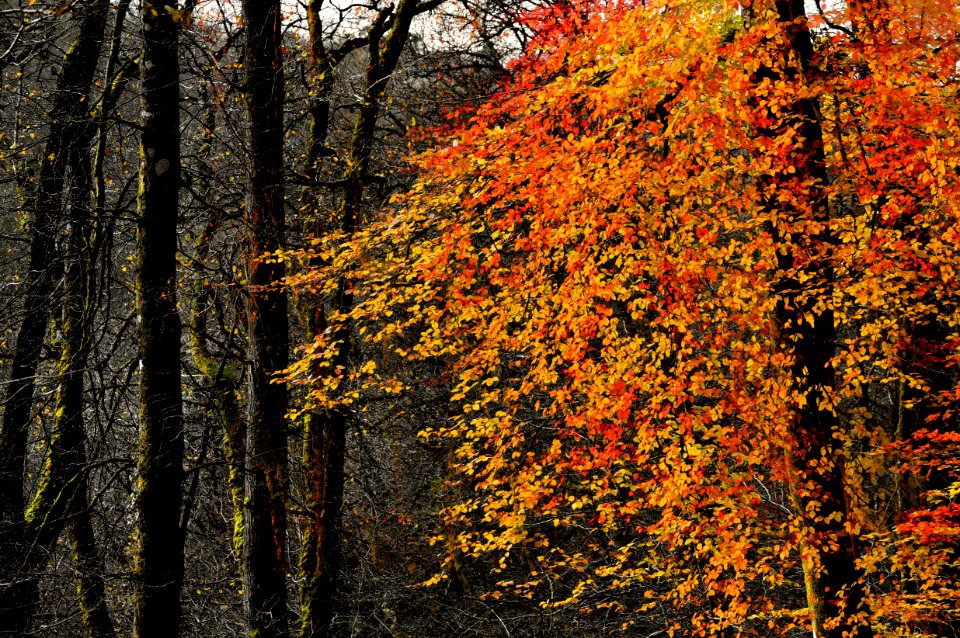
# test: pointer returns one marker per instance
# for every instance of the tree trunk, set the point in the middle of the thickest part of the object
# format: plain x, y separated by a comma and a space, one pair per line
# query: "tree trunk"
88, 568
61, 497
221, 376
325, 431
316, 595
807, 330
159, 548
265, 518
88, 565
67, 123
77, 342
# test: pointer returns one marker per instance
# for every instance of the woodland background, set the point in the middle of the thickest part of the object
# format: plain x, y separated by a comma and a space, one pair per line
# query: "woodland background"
478, 318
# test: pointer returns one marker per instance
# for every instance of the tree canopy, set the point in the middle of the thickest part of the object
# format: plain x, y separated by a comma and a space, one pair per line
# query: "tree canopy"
691, 278
475, 318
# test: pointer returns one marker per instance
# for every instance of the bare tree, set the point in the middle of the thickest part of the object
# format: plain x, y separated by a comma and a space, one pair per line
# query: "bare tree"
159, 544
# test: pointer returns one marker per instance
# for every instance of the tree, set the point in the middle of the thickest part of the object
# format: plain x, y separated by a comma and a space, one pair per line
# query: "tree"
326, 429
322, 458
27, 536
265, 517
69, 426
159, 544
652, 268
800, 228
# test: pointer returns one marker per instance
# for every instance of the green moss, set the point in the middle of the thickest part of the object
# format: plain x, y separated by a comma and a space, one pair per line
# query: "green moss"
237, 498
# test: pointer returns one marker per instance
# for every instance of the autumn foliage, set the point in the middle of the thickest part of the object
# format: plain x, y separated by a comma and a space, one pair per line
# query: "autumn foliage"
691, 277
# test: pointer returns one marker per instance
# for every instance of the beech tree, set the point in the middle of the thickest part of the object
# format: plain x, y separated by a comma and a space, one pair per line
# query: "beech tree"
28, 535
652, 265
265, 516
159, 544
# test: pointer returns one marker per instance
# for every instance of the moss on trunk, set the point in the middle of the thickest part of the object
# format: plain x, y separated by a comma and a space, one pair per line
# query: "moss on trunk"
158, 570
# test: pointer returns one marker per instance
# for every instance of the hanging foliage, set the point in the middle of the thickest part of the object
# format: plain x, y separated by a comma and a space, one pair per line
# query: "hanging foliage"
691, 275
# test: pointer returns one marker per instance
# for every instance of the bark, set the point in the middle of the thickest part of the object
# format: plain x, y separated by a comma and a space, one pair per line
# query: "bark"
322, 458
265, 519
159, 547
325, 431
220, 377
88, 568
21, 540
807, 329
77, 343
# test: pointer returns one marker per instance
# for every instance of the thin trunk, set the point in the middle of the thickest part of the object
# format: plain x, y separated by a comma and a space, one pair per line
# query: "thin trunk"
77, 342
807, 330
221, 377
222, 380
323, 459
159, 548
316, 597
88, 565
325, 432
115, 78
90, 587
265, 517
18, 535
61, 496
320, 81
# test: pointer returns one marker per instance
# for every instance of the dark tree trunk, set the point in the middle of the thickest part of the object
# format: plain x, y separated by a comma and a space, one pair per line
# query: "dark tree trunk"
326, 431
61, 496
68, 119
265, 518
62, 483
88, 564
316, 604
77, 310
323, 458
221, 375
89, 569
159, 547
807, 330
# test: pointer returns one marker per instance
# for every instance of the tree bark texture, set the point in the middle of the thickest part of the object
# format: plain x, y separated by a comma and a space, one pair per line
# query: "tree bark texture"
265, 518
807, 330
159, 545
24, 540
325, 432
